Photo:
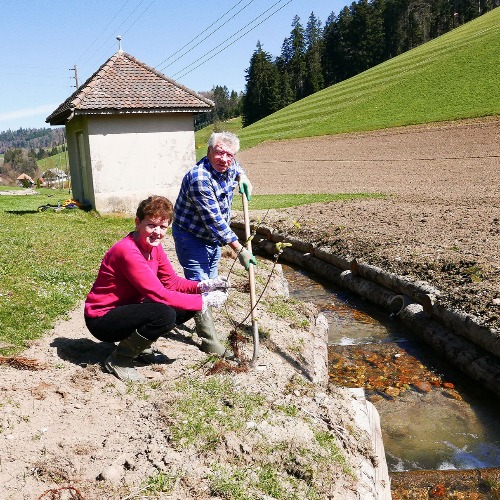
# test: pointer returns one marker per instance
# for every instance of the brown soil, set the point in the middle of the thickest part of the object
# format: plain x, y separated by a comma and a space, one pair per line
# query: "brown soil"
439, 221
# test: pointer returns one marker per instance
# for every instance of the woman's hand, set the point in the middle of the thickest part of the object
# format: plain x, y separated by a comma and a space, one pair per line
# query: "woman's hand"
217, 298
218, 283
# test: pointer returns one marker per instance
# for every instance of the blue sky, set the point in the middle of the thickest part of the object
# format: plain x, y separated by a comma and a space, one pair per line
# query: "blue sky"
197, 43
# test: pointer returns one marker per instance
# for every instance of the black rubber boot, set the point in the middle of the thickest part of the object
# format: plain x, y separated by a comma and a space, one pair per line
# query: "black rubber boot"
121, 361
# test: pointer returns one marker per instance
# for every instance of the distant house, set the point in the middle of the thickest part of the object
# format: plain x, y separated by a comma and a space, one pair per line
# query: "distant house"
25, 180
54, 176
130, 134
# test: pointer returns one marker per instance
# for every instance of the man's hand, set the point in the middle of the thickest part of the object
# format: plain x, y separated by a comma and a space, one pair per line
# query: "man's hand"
246, 258
245, 186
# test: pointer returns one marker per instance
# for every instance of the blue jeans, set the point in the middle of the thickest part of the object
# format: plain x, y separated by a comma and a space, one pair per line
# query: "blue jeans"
199, 258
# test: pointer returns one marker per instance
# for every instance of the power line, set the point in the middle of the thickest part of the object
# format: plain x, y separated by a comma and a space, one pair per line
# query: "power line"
122, 23
32, 67
229, 38
105, 28
131, 21
29, 74
198, 36
141, 14
3, 83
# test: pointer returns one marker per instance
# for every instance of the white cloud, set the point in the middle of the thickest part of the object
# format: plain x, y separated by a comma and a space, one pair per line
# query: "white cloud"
24, 113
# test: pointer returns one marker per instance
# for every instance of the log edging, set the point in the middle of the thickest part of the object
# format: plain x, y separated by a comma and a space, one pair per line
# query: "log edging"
395, 294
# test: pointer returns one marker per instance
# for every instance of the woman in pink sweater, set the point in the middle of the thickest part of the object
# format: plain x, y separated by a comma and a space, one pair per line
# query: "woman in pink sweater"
137, 296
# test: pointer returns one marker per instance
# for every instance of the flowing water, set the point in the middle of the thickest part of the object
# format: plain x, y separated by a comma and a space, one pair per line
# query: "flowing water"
432, 416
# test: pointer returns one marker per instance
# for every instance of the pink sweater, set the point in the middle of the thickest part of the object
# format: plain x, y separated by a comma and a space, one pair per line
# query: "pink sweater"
126, 277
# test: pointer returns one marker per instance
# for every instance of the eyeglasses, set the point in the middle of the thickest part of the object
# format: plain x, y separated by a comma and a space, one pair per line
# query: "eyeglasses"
221, 153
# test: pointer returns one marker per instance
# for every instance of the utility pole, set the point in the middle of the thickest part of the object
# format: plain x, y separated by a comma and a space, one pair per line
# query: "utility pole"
76, 75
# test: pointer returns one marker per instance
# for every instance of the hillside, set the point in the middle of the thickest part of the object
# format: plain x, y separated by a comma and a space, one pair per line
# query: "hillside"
31, 138
438, 222
451, 77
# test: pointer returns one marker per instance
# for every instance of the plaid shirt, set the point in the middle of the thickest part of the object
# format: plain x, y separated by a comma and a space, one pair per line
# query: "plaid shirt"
203, 206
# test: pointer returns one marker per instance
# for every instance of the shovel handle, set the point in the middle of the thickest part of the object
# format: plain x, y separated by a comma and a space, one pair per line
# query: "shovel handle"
251, 280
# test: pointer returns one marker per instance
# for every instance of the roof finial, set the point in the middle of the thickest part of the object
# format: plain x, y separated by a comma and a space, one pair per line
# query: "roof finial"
119, 38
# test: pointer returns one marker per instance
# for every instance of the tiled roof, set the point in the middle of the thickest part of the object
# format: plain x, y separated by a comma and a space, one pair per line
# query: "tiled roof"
123, 84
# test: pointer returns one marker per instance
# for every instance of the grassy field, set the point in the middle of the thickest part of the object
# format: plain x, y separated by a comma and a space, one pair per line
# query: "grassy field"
48, 261
57, 161
201, 137
269, 201
452, 77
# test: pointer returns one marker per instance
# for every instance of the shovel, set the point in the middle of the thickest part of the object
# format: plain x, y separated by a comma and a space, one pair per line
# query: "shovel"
251, 279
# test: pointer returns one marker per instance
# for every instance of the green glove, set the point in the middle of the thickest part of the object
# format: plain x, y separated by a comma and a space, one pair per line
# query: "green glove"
245, 186
246, 258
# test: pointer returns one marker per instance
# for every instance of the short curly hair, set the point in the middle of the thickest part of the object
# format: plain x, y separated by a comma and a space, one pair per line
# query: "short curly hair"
155, 207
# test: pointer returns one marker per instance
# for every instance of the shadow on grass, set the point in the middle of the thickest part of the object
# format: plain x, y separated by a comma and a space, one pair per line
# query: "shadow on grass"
85, 351
296, 364
21, 212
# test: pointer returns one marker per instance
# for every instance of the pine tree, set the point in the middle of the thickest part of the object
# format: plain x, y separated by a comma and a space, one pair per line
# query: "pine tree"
234, 104
262, 91
221, 99
314, 73
327, 62
366, 40
297, 65
287, 95
338, 52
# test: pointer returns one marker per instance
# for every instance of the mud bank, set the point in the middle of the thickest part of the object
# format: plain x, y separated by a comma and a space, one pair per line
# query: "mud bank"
457, 336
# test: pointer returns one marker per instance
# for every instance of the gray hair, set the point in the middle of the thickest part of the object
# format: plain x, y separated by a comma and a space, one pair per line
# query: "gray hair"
227, 138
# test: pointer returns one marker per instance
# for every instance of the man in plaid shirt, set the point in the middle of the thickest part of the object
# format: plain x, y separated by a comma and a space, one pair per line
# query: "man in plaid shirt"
201, 228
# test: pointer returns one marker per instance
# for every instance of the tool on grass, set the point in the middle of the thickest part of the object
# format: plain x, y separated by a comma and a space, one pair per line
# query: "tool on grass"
251, 280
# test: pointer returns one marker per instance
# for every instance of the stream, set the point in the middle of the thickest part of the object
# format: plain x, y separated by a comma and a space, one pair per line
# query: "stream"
433, 417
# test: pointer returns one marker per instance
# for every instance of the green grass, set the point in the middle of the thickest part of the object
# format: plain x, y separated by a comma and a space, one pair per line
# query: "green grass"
282, 308
44, 196
333, 453
271, 201
230, 484
57, 161
161, 482
48, 261
201, 136
208, 409
451, 77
